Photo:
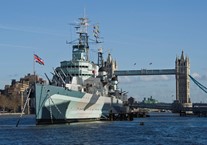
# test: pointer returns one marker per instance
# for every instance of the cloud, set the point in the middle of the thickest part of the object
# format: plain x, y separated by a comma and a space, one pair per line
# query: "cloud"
3, 83
16, 46
128, 79
196, 75
154, 78
13, 75
132, 79
18, 29
28, 30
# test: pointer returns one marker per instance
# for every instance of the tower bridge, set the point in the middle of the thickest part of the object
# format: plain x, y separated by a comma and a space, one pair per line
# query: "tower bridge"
181, 72
145, 72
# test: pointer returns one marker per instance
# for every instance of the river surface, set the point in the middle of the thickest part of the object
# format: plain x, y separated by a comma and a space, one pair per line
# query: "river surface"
158, 129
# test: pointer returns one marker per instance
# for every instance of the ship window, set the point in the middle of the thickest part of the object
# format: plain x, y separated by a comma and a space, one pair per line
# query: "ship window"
82, 66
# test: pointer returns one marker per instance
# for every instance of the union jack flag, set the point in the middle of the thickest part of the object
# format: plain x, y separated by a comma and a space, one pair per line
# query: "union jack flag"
38, 59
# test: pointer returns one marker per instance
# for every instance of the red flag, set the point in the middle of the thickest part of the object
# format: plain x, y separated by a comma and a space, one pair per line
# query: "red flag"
38, 59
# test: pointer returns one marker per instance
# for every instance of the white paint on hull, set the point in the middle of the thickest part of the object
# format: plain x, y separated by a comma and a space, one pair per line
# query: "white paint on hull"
89, 106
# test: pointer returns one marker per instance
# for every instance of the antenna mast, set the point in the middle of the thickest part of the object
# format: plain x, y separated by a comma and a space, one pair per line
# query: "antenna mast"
100, 58
81, 47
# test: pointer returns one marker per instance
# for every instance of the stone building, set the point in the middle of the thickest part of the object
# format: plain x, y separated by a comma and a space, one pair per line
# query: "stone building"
182, 67
110, 65
17, 91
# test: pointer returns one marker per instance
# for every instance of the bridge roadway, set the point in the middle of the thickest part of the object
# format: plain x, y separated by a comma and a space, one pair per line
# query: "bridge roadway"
196, 107
145, 72
162, 106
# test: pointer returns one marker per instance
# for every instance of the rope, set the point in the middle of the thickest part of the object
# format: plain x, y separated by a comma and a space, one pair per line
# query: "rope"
50, 99
57, 108
50, 112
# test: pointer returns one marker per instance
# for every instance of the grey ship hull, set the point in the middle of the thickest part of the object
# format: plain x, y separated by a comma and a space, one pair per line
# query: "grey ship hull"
60, 105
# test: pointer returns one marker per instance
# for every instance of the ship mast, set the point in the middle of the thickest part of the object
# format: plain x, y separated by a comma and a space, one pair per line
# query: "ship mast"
83, 35
80, 50
100, 57
96, 33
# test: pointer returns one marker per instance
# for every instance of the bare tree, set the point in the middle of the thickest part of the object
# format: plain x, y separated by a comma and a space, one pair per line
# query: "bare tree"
4, 102
14, 103
17, 103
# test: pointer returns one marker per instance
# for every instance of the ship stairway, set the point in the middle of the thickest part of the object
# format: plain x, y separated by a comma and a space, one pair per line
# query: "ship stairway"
202, 87
25, 104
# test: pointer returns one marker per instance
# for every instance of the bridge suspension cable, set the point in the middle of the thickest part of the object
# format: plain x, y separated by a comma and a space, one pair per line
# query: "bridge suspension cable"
202, 87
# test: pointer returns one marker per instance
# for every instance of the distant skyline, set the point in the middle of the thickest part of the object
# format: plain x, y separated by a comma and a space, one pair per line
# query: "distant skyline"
140, 34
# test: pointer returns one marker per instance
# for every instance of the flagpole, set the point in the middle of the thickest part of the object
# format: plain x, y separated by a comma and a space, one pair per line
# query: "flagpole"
40, 61
34, 68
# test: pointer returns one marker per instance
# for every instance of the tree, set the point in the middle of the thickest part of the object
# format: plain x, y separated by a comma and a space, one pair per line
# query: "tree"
4, 102
17, 103
14, 104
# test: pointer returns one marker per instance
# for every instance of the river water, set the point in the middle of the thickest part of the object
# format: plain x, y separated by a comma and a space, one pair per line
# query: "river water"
159, 129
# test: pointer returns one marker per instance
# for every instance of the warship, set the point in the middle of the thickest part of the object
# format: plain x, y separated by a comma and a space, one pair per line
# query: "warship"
80, 90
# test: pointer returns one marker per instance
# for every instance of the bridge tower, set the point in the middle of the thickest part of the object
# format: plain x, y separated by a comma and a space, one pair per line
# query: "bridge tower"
182, 68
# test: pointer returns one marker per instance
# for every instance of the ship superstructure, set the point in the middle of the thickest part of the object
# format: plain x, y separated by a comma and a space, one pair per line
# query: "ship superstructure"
80, 89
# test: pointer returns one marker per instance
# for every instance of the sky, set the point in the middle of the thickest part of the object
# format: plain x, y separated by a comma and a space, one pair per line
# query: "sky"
135, 31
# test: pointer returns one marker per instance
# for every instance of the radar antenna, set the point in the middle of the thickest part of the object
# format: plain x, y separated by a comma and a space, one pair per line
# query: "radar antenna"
96, 32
